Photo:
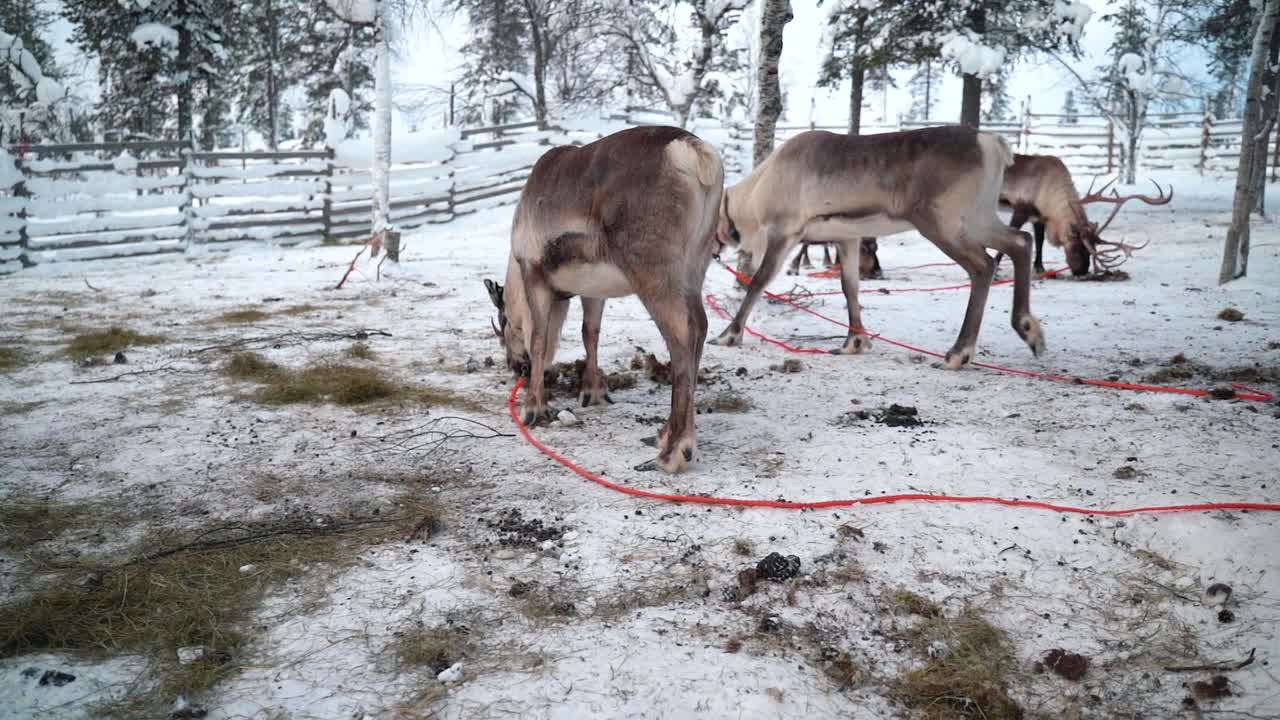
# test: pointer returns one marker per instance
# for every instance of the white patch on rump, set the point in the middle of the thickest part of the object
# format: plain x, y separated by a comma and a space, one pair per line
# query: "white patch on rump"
594, 280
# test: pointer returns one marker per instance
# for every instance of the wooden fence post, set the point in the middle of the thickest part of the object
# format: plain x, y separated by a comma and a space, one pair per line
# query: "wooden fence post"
327, 211
1206, 131
1111, 144
188, 204
1275, 163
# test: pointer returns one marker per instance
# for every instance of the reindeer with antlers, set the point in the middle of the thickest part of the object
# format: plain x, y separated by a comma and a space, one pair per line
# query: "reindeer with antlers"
633, 213
820, 186
1038, 188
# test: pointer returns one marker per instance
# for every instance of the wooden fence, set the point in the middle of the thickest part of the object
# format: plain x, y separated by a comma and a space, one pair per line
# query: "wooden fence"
1090, 144
87, 201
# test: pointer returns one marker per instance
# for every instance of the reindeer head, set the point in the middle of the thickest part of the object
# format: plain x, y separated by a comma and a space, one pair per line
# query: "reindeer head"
1080, 238
1107, 254
508, 330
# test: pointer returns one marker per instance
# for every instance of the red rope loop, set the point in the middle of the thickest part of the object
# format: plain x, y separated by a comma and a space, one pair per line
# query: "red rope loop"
872, 500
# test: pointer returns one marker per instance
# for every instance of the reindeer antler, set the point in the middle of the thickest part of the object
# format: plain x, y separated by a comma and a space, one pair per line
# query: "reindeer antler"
1109, 258
1119, 201
1090, 196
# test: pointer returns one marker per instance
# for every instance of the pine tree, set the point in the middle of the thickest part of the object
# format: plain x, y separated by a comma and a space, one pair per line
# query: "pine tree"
1069, 111
146, 78
923, 89
496, 48
997, 105
324, 53
863, 40
29, 21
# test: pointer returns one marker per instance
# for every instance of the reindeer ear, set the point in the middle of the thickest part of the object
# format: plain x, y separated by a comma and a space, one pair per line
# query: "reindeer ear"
495, 293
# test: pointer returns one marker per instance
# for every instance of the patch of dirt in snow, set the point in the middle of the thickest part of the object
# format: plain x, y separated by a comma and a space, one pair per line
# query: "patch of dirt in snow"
537, 594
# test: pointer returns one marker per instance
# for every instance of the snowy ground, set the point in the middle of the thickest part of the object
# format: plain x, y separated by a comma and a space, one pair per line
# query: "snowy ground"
637, 616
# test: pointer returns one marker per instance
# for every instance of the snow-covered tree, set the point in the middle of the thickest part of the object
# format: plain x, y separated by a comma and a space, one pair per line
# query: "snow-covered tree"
864, 38
678, 48
154, 57
774, 16
28, 21
979, 37
923, 88
1070, 113
494, 53
997, 104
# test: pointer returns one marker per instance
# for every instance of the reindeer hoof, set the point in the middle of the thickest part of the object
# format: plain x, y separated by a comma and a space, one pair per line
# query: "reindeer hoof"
727, 339
594, 397
533, 418
1029, 330
955, 359
651, 441
853, 346
649, 466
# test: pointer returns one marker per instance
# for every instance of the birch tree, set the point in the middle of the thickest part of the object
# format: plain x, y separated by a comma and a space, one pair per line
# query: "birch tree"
679, 50
773, 19
1259, 117
377, 13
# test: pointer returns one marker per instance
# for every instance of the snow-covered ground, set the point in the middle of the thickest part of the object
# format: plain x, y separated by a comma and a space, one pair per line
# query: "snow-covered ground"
643, 621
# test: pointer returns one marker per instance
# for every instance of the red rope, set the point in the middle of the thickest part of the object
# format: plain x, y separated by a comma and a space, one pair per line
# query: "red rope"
1242, 392
873, 500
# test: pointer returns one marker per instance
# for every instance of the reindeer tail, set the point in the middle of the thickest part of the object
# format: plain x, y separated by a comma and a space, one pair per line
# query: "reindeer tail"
705, 162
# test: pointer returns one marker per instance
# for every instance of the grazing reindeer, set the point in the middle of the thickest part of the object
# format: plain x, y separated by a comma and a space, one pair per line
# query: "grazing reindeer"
633, 213
868, 263
1039, 188
820, 186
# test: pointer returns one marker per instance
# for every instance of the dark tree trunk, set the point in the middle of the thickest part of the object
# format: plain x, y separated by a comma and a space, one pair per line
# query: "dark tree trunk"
184, 74
273, 94
857, 77
536, 31
971, 100
776, 14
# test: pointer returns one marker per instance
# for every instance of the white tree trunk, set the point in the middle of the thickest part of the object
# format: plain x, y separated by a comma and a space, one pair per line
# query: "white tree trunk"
382, 134
1259, 113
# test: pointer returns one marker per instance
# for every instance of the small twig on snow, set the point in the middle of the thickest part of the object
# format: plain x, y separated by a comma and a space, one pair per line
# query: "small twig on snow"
86, 282
1214, 667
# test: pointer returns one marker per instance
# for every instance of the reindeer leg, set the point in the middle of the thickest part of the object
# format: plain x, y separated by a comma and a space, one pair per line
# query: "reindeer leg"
870, 246
683, 324
1039, 228
1016, 222
540, 299
1018, 246
850, 270
826, 255
795, 263
594, 389
777, 250
972, 256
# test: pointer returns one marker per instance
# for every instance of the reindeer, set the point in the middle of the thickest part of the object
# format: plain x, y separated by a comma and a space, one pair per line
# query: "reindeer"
820, 186
633, 213
868, 263
1039, 188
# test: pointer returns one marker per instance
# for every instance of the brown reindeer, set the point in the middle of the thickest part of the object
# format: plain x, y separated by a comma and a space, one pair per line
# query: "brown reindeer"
633, 213
1039, 188
820, 186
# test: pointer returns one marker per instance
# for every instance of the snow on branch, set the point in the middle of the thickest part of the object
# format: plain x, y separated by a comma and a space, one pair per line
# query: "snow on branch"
25, 71
972, 57
154, 35
356, 12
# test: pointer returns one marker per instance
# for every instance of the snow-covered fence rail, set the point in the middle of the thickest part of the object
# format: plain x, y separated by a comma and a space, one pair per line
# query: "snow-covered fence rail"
97, 200
1089, 144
